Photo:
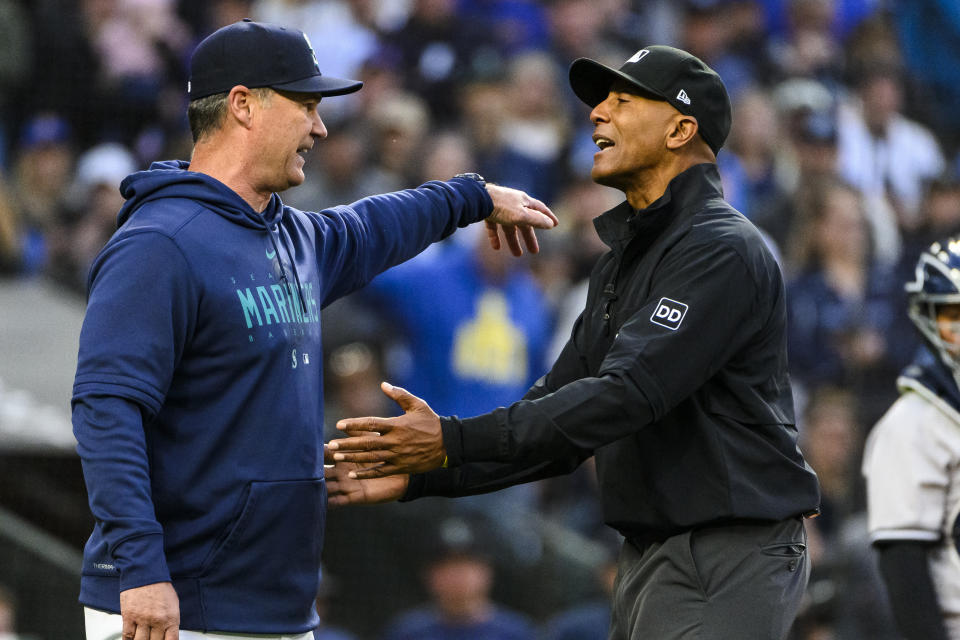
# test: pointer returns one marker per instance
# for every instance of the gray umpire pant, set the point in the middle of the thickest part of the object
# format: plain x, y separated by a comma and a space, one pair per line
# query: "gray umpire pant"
730, 582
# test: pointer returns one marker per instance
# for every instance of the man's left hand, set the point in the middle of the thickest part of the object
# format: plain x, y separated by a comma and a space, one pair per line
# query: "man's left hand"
515, 216
411, 443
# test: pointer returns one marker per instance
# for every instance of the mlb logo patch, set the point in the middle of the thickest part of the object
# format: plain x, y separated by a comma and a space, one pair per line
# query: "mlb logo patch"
669, 313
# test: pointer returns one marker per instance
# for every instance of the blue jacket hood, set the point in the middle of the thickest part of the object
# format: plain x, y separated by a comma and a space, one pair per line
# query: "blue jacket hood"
173, 179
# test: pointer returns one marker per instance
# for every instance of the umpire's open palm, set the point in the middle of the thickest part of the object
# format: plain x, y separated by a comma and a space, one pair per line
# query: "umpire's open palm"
411, 443
342, 490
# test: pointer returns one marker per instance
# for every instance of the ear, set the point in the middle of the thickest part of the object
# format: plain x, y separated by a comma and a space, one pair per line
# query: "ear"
240, 104
684, 129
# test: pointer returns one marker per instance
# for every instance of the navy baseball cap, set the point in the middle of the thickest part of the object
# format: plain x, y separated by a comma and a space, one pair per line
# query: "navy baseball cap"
257, 54
680, 78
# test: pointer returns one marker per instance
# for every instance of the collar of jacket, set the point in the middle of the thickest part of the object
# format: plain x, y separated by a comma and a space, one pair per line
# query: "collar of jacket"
685, 195
928, 370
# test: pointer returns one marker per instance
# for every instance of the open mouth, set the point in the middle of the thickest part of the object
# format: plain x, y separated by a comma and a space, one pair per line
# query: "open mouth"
603, 142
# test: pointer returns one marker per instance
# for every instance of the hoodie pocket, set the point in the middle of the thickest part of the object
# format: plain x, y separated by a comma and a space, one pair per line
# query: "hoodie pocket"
269, 563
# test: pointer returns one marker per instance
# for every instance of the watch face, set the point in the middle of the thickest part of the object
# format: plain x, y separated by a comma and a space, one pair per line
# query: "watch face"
472, 176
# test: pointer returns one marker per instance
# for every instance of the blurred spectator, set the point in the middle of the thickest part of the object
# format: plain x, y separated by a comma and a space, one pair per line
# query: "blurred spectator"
96, 192
808, 154
750, 164
577, 30
939, 218
483, 345
885, 155
590, 620
115, 60
16, 61
707, 32
72, 82
929, 34
138, 42
534, 128
337, 172
459, 578
437, 51
484, 104
747, 38
809, 47
353, 375
845, 595
39, 190
446, 153
842, 15
841, 304
473, 340
831, 439
515, 25
399, 123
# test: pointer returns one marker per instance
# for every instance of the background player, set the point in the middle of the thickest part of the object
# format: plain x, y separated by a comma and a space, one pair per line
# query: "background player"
912, 461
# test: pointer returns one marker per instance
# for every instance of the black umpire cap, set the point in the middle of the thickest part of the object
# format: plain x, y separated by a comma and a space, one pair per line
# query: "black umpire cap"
257, 54
665, 73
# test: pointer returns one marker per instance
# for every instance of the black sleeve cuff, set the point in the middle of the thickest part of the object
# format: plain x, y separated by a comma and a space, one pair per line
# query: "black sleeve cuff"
439, 482
414, 488
479, 439
450, 426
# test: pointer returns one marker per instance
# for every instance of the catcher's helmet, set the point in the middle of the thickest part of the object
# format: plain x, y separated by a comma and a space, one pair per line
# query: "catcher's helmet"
937, 283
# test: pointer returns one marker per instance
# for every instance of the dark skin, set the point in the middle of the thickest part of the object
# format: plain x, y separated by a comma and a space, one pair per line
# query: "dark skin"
411, 443
644, 143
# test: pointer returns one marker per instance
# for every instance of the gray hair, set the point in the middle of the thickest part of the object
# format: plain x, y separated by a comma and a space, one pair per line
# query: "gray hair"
206, 114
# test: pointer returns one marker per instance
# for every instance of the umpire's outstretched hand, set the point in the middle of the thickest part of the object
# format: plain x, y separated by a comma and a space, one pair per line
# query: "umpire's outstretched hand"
411, 443
515, 216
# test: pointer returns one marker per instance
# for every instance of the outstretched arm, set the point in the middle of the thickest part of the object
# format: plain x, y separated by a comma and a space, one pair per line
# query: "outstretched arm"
356, 242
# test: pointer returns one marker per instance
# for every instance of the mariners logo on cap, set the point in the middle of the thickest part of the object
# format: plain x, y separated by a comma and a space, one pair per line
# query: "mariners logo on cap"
316, 63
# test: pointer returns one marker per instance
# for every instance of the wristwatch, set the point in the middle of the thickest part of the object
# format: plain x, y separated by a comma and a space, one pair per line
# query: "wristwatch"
473, 176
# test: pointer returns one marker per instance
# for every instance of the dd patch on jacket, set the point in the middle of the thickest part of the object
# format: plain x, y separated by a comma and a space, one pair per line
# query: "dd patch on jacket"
669, 313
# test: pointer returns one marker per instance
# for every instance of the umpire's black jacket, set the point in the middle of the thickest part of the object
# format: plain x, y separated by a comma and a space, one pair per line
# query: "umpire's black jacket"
675, 376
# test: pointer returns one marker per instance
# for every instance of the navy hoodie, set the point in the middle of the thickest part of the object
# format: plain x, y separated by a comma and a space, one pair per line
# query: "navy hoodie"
197, 403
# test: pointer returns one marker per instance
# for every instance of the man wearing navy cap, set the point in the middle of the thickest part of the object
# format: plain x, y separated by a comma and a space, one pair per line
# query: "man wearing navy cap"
197, 401
674, 377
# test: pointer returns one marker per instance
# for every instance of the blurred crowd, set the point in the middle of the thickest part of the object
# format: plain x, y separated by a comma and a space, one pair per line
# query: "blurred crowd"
843, 151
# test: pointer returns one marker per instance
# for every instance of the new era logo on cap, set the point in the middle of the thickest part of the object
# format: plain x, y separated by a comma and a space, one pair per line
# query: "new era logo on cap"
638, 55
683, 97
669, 313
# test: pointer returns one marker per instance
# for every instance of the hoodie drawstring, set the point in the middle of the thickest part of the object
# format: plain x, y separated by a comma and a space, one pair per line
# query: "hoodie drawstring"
293, 262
